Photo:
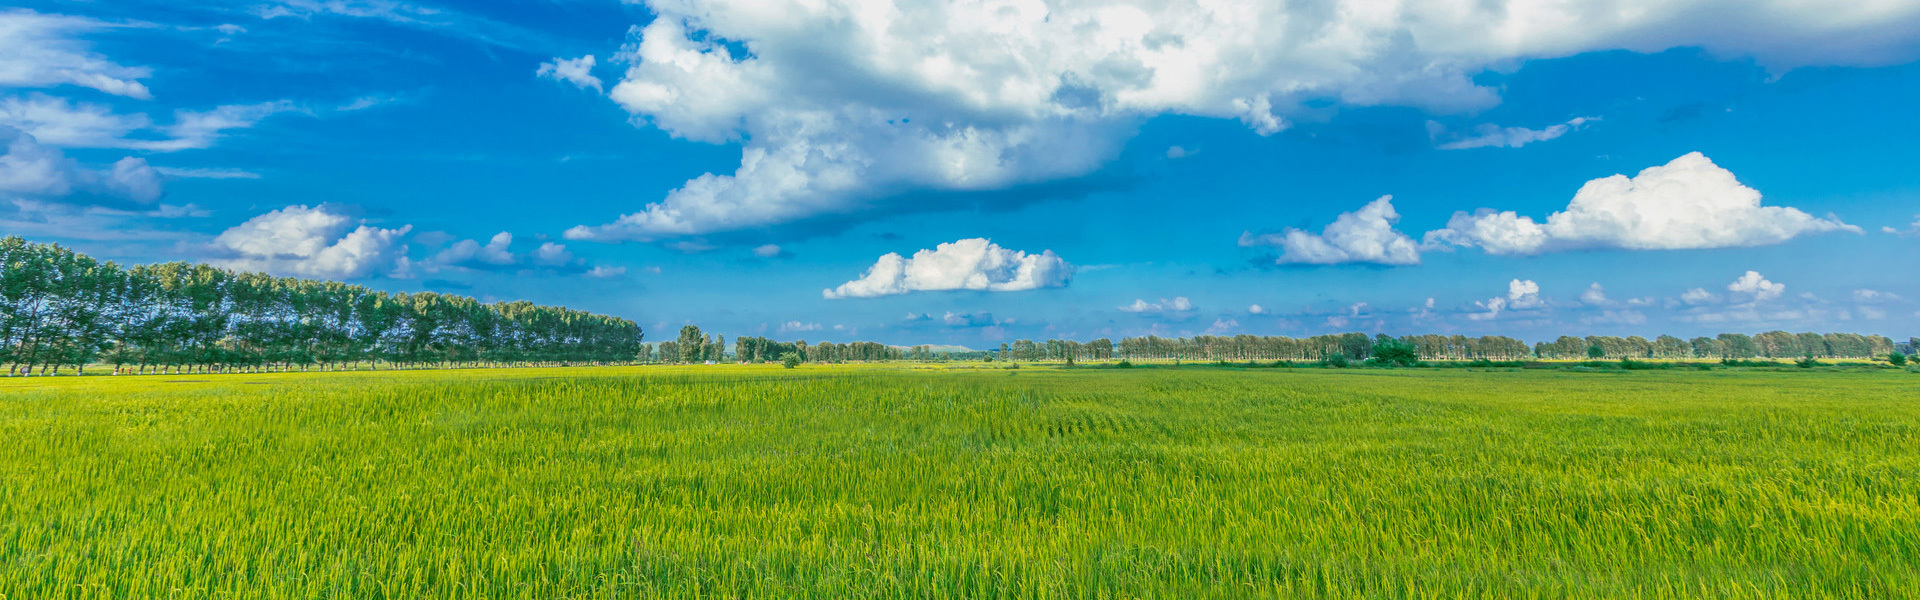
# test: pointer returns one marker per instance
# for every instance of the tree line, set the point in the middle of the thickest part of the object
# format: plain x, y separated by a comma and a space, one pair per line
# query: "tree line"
60, 308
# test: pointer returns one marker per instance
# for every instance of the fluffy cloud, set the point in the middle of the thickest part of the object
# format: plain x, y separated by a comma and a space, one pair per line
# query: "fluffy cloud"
45, 51
1178, 308
1757, 286
969, 264
1595, 296
767, 251
841, 105
577, 71
1256, 310
1698, 296
311, 242
1366, 235
1522, 294
31, 169
1687, 203
472, 253
1495, 136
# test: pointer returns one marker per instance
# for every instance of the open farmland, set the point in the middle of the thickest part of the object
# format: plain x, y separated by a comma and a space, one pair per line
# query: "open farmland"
880, 482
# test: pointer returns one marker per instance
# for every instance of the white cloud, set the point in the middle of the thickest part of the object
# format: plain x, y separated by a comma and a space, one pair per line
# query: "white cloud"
44, 50
977, 319
61, 122
1873, 296
1595, 295
766, 251
1495, 136
1177, 152
840, 105
31, 169
1758, 286
577, 71
1178, 307
969, 264
1522, 294
798, 327
1221, 326
496, 252
605, 272
1698, 296
1256, 310
552, 254
1687, 203
1366, 235
1912, 230
311, 242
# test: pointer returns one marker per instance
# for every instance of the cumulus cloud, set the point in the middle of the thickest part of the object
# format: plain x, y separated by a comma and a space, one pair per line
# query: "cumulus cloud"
1698, 296
311, 242
1684, 204
1495, 136
1757, 286
577, 71
1221, 326
839, 106
33, 170
472, 253
1522, 294
1595, 295
1362, 236
1256, 310
767, 251
45, 50
1178, 308
969, 264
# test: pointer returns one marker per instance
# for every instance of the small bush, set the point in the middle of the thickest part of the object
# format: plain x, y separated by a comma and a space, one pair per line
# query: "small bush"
1123, 364
791, 360
1897, 359
1809, 362
1337, 361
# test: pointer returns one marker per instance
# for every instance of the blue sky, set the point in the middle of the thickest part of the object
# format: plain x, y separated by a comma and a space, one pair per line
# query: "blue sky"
1064, 170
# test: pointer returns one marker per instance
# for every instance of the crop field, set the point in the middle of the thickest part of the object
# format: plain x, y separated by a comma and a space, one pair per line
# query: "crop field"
738, 481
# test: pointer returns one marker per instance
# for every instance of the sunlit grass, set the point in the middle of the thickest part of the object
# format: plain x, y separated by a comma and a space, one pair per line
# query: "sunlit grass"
855, 482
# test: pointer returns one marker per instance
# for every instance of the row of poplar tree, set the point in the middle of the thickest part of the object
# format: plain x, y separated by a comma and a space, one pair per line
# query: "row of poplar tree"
61, 308
1359, 346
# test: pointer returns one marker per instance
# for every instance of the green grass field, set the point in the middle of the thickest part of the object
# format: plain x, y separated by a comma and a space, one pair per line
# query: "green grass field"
891, 482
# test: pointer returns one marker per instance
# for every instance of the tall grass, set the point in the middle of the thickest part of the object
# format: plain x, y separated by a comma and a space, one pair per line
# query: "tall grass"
756, 482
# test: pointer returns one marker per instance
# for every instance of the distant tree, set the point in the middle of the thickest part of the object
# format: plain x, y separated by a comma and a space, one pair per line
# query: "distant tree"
693, 346
1595, 351
1897, 359
790, 360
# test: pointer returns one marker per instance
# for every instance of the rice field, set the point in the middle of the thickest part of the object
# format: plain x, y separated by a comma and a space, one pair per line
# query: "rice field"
893, 482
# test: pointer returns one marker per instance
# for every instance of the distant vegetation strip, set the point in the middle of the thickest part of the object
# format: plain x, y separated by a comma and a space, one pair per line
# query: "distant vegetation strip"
60, 308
